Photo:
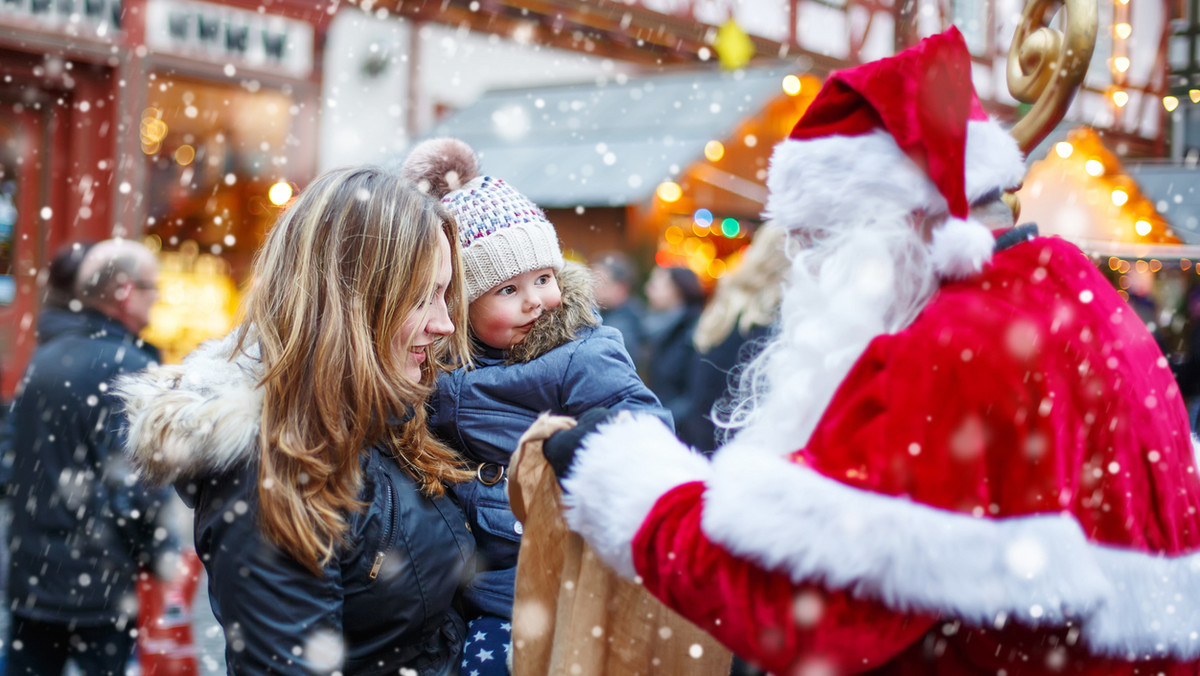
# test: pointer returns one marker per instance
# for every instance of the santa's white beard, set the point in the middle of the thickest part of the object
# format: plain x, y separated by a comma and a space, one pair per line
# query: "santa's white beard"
845, 289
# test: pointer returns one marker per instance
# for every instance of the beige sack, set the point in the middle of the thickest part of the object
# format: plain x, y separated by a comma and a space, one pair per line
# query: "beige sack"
573, 614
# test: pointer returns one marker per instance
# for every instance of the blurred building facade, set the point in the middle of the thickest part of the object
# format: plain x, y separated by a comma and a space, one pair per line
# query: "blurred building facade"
168, 120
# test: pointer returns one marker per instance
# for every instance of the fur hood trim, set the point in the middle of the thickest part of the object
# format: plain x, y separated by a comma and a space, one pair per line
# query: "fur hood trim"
560, 325
195, 418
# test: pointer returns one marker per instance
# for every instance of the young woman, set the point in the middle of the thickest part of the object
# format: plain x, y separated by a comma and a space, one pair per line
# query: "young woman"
321, 512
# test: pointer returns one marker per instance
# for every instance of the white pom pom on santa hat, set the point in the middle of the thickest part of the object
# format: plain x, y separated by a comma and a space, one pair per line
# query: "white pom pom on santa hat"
440, 165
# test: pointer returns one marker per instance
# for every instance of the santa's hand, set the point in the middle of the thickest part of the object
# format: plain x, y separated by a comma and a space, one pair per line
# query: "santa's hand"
561, 447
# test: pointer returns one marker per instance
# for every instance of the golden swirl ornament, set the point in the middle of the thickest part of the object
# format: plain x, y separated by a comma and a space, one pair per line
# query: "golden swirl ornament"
1046, 66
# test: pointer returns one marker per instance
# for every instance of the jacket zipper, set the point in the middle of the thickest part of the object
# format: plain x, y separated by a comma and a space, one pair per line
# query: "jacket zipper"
387, 537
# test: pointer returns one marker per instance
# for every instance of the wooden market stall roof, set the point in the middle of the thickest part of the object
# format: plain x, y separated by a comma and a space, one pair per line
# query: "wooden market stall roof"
1078, 189
612, 143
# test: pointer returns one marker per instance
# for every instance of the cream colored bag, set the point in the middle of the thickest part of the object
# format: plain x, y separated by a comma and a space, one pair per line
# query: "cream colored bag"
573, 614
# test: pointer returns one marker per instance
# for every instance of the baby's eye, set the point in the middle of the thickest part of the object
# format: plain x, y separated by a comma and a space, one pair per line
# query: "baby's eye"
507, 291
543, 280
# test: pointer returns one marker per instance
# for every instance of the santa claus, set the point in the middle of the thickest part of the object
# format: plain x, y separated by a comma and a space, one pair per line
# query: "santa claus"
961, 453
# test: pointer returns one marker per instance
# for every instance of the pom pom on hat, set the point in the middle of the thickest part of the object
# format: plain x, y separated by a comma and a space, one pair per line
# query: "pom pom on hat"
440, 165
502, 233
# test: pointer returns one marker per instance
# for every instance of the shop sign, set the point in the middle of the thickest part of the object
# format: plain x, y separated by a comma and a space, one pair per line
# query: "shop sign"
229, 35
102, 16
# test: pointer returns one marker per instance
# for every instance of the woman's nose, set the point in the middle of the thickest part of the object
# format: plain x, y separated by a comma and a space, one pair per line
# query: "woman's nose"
439, 322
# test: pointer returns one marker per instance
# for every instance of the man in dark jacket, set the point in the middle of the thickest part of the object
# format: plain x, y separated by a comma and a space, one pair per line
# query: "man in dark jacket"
82, 525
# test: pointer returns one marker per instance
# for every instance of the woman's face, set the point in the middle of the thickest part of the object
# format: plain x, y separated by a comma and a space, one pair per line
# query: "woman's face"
428, 321
661, 293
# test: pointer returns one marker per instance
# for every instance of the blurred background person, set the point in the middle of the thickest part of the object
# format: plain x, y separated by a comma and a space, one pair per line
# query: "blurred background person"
60, 311
83, 526
731, 329
668, 361
55, 317
616, 278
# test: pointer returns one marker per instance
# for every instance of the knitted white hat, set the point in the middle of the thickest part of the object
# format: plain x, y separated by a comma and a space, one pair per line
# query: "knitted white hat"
502, 233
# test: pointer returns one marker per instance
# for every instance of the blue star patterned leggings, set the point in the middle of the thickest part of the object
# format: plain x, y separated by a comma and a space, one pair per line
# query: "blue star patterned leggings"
489, 641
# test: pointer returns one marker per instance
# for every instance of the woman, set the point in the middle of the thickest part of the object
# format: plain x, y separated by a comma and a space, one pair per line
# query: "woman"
321, 513
732, 328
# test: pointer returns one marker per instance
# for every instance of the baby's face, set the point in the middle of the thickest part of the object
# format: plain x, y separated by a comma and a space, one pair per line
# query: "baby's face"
505, 313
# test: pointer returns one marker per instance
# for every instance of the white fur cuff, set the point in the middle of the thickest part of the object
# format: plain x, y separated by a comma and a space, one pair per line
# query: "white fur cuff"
618, 475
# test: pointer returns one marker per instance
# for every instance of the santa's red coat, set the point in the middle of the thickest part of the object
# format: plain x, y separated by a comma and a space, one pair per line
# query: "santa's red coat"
1007, 486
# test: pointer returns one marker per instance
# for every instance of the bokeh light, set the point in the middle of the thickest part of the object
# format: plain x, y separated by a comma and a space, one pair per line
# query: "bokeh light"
669, 191
280, 193
184, 155
791, 85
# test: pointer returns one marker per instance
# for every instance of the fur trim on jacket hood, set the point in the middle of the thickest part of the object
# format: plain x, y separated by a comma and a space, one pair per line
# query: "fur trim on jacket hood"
560, 325
196, 418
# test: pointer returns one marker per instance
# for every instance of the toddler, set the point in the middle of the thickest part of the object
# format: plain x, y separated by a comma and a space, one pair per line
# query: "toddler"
538, 346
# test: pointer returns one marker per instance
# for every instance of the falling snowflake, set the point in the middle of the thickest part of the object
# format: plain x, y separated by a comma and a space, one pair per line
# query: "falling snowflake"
324, 650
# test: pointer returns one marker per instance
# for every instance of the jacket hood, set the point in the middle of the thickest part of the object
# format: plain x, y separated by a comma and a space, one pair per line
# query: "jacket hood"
560, 325
196, 418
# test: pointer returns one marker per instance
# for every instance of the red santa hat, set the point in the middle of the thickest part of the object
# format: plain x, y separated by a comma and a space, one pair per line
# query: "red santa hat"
903, 133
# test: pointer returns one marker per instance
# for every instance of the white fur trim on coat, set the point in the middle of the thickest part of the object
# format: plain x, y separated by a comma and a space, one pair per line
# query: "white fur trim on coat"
1039, 570
835, 179
195, 417
618, 475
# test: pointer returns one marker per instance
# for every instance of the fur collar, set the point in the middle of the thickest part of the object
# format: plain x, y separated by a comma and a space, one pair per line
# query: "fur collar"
196, 418
560, 325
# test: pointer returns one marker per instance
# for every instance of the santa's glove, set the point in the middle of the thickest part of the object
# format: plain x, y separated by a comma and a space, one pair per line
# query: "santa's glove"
561, 447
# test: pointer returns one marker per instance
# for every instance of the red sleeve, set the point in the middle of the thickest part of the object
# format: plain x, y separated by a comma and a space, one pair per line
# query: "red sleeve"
761, 616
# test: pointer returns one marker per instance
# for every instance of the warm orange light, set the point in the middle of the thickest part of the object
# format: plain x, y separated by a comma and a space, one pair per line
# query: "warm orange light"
1064, 149
714, 150
184, 155
716, 268
1123, 30
673, 235
1121, 64
1119, 197
1170, 103
791, 85
1094, 168
1142, 228
1120, 98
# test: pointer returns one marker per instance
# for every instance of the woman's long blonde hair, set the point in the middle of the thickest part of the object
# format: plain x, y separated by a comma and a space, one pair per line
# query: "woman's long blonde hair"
340, 272
750, 294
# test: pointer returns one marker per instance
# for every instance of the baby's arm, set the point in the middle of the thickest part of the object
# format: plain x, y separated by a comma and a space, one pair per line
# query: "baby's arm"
600, 373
